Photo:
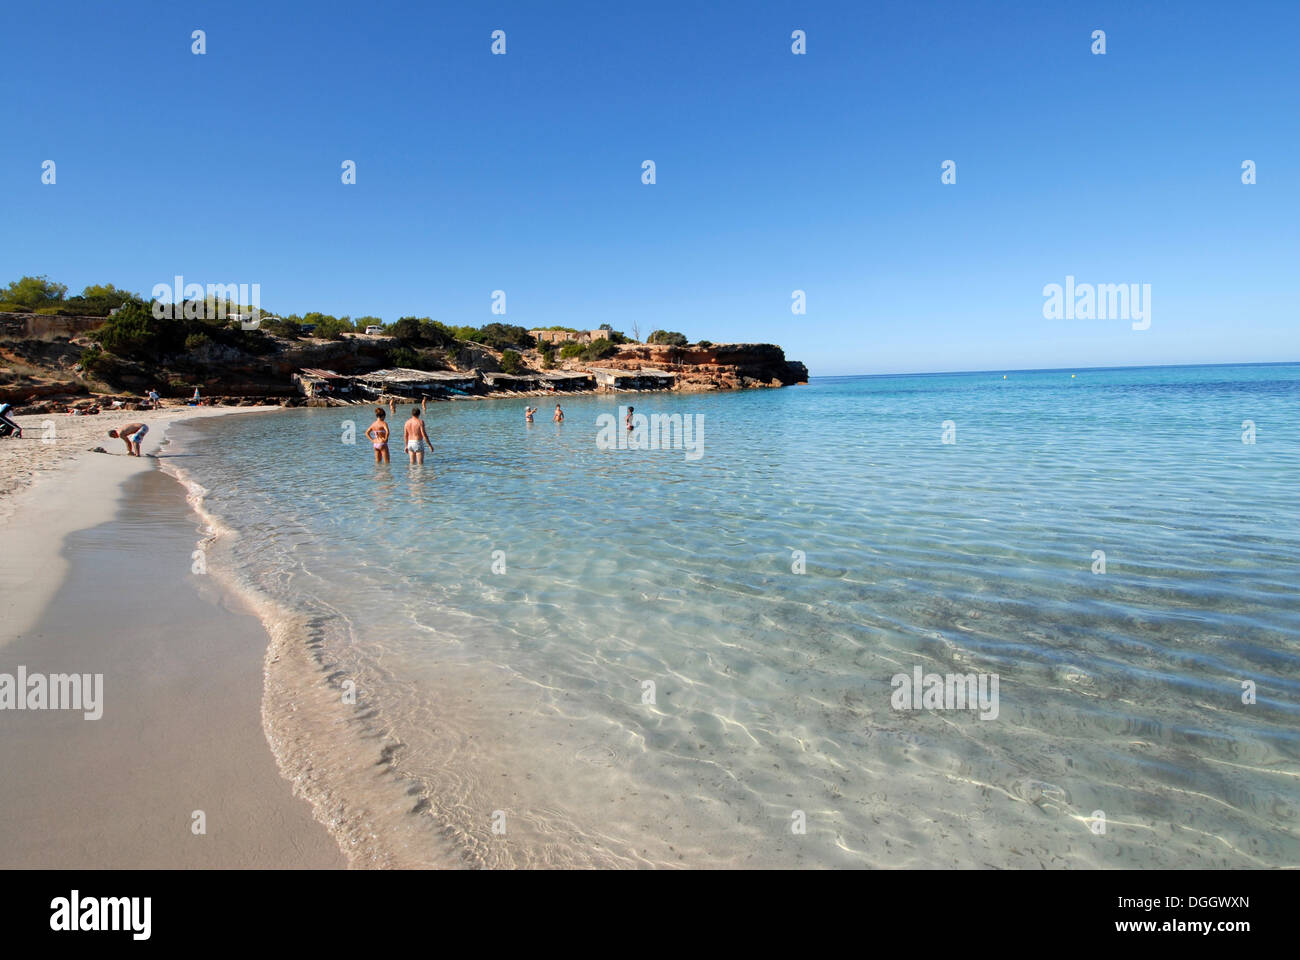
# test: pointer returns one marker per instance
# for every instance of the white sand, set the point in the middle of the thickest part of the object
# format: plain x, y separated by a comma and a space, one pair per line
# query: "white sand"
51, 485
94, 577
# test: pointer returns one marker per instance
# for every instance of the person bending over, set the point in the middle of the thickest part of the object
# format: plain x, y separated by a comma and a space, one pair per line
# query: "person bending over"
131, 435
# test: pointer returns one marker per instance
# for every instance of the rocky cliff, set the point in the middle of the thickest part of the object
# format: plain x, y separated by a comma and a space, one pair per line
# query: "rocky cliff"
259, 365
722, 366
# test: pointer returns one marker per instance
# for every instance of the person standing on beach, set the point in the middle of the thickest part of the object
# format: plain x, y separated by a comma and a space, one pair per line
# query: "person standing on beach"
378, 434
417, 438
559, 414
131, 435
154, 398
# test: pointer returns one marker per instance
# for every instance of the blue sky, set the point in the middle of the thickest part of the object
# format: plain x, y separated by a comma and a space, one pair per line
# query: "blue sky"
775, 172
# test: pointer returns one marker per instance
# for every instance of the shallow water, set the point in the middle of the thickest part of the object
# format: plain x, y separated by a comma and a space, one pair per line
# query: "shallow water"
508, 691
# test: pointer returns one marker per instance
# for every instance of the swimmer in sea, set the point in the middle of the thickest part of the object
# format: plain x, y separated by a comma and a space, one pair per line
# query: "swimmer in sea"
559, 414
628, 418
417, 438
528, 413
378, 434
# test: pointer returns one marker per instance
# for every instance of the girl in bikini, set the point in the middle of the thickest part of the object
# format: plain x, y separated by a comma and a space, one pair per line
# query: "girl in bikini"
378, 434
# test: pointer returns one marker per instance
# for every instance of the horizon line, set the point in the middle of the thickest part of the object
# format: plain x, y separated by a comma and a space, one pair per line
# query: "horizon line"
1117, 366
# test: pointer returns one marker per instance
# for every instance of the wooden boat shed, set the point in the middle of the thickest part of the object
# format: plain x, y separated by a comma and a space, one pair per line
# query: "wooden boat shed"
643, 379
314, 382
405, 382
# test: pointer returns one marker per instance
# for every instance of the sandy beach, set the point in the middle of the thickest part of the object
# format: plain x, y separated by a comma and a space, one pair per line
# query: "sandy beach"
96, 578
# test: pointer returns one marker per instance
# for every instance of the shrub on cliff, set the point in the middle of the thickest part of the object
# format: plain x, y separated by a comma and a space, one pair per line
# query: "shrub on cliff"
667, 337
134, 332
98, 300
96, 364
288, 329
501, 336
406, 357
422, 331
511, 362
327, 327
596, 350
34, 292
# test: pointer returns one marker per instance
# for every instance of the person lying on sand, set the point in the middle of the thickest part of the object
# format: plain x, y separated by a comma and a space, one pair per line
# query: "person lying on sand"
417, 438
378, 434
131, 435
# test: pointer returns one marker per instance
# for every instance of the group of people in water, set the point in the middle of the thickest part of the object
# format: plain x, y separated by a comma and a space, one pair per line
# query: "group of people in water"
530, 411
415, 438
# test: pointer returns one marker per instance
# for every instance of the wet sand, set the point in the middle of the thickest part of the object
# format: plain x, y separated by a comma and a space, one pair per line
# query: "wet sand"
182, 669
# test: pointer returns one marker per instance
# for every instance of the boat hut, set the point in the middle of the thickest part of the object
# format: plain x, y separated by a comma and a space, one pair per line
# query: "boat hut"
314, 382
511, 382
643, 379
567, 381
405, 382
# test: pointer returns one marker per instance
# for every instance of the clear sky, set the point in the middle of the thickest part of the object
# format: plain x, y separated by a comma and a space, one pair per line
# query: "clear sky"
775, 172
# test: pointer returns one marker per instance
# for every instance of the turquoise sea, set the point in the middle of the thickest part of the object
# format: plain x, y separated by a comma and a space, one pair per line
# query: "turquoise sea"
537, 651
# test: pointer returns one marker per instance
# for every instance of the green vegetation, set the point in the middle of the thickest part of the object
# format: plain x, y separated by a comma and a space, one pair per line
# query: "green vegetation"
134, 333
286, 327
42, 295
548, 355
404, 357
96, 363
588, 352
668, 337
34, 292
328, 327
501, 336
511, 362
421, 331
